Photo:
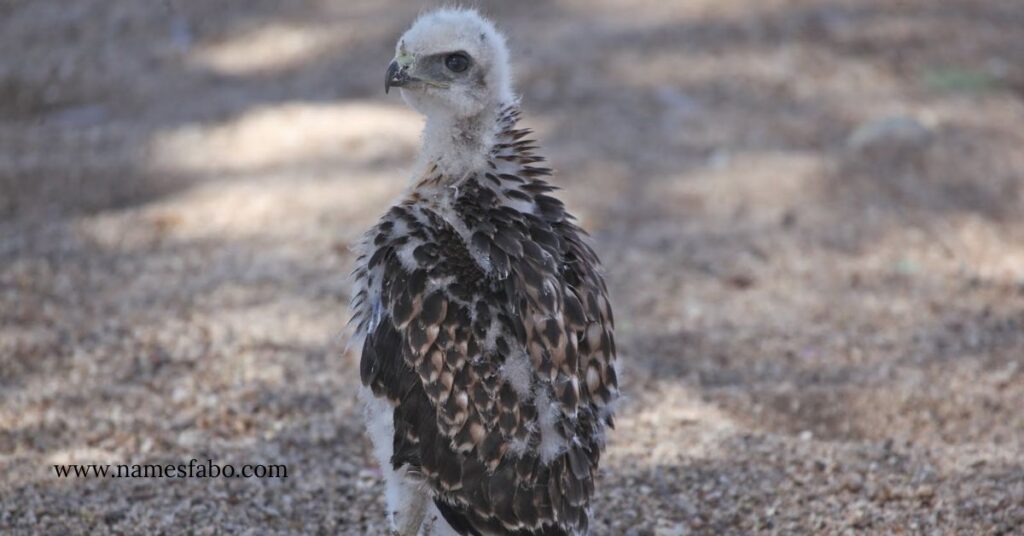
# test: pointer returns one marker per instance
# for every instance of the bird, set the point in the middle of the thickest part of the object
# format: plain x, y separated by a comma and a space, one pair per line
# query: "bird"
488, 365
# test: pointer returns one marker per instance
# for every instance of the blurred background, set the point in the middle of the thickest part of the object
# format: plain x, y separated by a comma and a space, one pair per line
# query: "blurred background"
811, 213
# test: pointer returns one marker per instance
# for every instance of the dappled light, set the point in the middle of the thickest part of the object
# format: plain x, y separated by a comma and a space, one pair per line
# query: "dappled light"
272, 47
351, 134
810, 213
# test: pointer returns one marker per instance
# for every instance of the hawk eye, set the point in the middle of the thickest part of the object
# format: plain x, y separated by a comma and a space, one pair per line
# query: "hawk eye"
456, 62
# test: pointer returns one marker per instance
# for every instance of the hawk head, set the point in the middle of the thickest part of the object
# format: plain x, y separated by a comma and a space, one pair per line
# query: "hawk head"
451, 62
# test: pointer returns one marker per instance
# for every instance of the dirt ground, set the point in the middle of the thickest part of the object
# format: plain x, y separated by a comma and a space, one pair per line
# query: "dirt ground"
811, 214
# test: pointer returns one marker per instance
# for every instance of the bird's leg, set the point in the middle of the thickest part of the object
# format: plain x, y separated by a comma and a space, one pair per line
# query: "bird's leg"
407, 501
408, 523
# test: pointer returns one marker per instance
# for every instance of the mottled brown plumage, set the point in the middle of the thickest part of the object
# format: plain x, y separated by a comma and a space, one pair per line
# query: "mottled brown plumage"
440, 327
487, 325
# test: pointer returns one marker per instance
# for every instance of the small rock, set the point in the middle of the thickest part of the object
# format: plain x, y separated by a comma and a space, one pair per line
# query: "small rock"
925, 493
740, 281
889, 133
676, 530
854, 484
114, 516
858, 517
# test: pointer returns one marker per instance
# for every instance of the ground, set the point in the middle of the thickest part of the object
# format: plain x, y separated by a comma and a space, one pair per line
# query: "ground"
811, 214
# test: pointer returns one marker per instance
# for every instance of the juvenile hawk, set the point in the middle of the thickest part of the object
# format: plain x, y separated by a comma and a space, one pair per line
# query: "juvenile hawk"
488, 358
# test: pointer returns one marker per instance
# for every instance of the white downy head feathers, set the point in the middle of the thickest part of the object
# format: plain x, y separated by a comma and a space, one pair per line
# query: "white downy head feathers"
425, 47
452, 65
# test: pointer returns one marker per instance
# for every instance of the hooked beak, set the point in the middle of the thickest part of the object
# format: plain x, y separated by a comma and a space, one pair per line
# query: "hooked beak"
397, 76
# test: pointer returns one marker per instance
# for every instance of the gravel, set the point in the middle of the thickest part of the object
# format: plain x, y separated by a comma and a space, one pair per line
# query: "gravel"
816, 340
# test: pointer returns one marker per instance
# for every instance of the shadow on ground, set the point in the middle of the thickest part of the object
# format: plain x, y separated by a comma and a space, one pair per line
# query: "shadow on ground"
817, 335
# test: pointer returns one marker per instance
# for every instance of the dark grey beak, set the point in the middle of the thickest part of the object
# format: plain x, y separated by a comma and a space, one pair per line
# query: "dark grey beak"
397, 77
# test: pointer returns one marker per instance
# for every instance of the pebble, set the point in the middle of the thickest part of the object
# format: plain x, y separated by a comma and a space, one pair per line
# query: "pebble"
889, 133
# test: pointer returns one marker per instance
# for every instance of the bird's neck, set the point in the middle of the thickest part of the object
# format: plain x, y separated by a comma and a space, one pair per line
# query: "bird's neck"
459, 145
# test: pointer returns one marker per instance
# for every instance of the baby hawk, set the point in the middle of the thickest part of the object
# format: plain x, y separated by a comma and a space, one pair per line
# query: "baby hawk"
488, 361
